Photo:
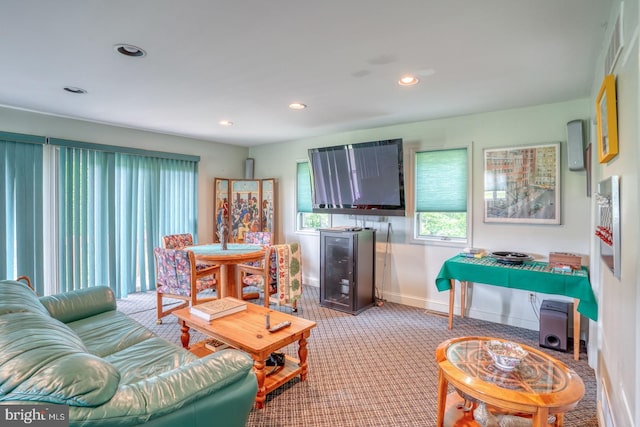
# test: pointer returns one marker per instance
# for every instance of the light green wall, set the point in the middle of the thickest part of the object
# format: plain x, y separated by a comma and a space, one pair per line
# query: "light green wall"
411, 268
216, 160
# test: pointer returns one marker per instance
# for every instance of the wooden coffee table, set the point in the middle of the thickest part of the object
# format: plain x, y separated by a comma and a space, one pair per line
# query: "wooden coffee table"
540, 386
246, 331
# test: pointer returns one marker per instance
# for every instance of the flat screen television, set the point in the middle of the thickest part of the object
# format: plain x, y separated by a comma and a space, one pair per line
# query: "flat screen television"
358, 179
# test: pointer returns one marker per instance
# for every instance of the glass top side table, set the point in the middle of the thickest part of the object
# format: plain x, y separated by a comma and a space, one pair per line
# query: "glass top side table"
539, 386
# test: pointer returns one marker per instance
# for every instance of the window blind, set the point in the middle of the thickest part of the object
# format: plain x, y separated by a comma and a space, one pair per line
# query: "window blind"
441, 181
304, 201
21, 207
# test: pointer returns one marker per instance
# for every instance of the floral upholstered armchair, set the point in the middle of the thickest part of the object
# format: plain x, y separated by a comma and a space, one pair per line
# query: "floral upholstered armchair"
178, 278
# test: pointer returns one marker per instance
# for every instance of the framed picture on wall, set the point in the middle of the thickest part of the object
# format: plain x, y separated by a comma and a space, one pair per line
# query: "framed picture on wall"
221, 205
607, 120
522, 184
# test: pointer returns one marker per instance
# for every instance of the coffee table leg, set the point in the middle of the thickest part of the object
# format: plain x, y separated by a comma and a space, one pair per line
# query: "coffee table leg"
258, 367
442, 398
185, 337
302, 355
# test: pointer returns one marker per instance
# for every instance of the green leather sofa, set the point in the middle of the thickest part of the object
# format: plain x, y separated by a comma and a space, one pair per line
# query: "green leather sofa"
76, 349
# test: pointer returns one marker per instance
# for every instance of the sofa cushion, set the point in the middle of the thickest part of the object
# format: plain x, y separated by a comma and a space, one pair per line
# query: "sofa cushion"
18, 297
109, 332
44, 360
80, 304
148, 359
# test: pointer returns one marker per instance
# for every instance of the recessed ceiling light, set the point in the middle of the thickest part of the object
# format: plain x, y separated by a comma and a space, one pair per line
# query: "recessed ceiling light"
129, 50
225, 123
297, 106
408, 80
76, 90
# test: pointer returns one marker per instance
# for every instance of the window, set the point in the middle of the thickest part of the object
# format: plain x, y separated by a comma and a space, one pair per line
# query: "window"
114, 207
306, 219
441, 195
77, 215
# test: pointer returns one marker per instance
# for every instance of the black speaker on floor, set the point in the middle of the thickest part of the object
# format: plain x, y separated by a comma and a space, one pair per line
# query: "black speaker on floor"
554, 324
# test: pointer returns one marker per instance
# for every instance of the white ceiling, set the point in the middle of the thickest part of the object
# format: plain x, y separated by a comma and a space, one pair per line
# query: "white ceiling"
246, 60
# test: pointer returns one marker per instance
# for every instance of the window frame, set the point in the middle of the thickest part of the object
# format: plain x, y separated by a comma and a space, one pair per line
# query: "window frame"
415, 221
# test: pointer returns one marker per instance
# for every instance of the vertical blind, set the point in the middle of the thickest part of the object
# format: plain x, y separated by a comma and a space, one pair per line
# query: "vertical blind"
114, 208
441, 181
21, 212
303, 188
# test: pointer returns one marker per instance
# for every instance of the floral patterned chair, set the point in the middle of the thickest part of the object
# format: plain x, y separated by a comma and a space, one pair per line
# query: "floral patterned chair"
283, 267
177, 277
249, 283
177, 241
180, 241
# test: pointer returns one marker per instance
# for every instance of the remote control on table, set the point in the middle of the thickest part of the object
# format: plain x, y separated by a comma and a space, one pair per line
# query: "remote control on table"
281, 325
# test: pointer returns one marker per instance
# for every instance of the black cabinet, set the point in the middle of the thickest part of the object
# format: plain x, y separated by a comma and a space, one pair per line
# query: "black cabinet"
347, 269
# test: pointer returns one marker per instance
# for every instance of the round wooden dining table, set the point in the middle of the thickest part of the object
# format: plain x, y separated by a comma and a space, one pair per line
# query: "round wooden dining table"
227, 259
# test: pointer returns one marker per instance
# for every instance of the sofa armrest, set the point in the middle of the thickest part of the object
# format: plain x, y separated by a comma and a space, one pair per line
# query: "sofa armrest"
80, 304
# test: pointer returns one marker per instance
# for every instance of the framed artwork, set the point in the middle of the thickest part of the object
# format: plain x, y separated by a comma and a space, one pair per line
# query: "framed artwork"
607, 120
522, 184
221, 205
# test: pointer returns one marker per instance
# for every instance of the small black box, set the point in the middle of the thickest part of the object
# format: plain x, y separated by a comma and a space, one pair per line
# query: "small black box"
554, 324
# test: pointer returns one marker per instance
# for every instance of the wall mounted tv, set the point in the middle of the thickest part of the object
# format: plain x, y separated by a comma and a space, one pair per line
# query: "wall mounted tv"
358, 179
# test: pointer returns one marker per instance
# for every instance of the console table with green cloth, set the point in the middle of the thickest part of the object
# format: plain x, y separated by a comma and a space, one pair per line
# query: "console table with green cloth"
532, 276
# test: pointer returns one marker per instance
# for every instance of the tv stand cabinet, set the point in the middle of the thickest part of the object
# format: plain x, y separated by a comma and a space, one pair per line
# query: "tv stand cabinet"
347, 269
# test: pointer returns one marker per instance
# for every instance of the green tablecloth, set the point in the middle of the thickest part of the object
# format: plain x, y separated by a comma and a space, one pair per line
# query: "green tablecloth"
532, 276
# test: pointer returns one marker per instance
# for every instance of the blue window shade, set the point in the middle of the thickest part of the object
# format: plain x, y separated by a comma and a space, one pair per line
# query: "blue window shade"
114, 208
21, 206
304, 188
441, 181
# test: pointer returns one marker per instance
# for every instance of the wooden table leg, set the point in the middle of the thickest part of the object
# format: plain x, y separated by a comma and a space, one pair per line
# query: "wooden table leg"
576, 330
258, 368
227, 284
302, 355
463, 298
442, 398
224, 279
540, 418
452, 296
185, 337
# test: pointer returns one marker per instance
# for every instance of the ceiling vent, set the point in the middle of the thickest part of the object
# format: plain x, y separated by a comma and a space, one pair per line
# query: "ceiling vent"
615, 45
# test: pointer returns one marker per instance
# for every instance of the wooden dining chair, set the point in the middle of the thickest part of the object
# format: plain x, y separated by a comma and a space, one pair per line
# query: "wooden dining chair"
178, 278
250, 284
282, 266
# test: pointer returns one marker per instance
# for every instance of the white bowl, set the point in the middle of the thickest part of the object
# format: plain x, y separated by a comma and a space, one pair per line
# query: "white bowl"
506, 355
